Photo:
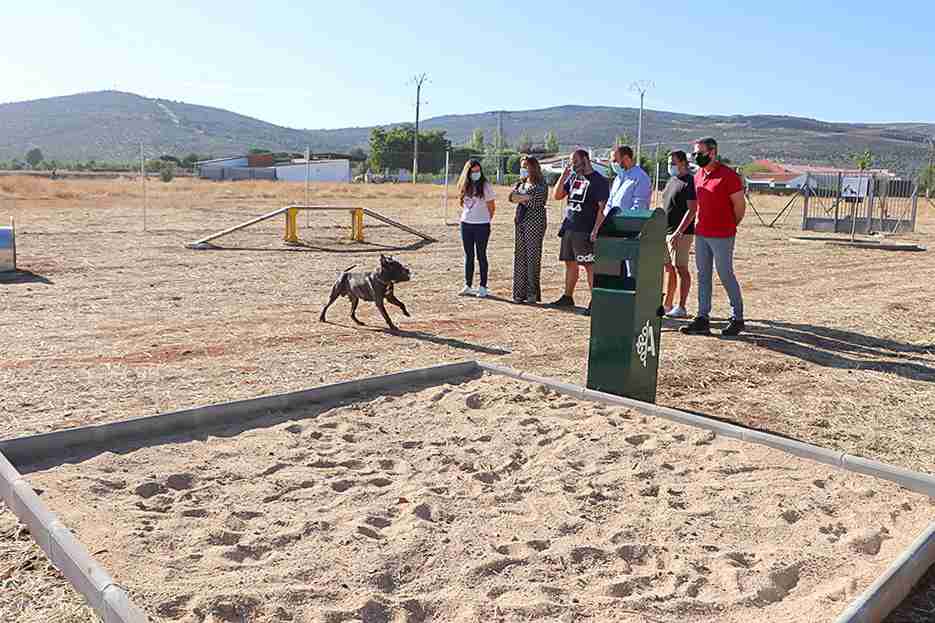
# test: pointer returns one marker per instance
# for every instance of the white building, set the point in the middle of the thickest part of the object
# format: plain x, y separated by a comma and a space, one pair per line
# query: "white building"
231, 162
318, 171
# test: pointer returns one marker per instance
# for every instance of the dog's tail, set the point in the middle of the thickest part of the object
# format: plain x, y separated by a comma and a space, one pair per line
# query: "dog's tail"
349, 268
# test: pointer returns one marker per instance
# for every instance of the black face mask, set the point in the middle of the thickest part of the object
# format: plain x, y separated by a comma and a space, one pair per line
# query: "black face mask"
702, 160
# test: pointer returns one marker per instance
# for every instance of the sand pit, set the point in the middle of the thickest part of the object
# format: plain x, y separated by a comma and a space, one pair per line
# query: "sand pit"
490, 500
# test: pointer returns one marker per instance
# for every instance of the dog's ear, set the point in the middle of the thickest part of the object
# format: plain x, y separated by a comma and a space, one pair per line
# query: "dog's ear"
382, 259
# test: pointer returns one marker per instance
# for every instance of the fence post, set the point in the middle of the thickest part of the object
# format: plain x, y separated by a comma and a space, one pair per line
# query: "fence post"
915, 206
806, 200
445, 196
308, 174
884, 204
837, 201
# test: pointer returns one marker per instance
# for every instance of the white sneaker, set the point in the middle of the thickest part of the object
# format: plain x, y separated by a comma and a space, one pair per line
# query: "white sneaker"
467, 291
677, 312
482, 292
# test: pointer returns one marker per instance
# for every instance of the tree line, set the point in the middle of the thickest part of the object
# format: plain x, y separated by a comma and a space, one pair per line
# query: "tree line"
35, 160
393, 149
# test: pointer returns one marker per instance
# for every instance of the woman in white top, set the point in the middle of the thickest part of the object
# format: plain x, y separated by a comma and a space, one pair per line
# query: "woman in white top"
478, 207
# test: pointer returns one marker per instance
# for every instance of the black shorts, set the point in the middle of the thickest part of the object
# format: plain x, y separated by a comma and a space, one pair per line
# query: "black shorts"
577, 247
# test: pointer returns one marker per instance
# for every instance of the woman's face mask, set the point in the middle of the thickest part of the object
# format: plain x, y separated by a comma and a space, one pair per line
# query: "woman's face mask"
524, 172
673, 170
475, 176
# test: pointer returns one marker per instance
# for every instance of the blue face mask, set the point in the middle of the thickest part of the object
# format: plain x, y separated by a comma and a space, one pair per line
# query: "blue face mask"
618, 168
475, 176
524, 172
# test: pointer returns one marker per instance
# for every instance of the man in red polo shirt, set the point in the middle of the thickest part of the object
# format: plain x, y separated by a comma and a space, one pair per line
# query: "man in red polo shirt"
721, 207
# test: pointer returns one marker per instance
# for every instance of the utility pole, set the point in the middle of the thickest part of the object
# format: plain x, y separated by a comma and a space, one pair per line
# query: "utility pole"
308, 175
143, 181
418, 81
499, 147
641, 87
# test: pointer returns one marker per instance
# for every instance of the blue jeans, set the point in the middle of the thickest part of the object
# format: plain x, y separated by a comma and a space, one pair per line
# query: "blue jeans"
474, 237
720, 252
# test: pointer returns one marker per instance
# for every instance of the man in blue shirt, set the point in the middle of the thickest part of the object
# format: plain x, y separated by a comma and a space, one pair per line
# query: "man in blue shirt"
632, 188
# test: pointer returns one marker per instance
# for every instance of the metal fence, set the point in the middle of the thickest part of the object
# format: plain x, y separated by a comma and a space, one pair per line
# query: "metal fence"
859, 204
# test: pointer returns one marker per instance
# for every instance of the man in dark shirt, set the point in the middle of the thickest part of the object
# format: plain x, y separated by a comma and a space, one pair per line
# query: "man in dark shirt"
586, 192
678, 200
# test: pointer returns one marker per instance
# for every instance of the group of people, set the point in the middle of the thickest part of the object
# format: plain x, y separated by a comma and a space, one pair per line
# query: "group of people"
703, 208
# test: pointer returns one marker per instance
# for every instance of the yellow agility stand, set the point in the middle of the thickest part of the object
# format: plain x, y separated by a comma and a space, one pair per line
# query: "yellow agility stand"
292, 229
357, 225
291, 233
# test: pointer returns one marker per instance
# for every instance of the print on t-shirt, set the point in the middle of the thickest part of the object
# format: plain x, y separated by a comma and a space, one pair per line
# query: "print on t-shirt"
585, 193
578, 193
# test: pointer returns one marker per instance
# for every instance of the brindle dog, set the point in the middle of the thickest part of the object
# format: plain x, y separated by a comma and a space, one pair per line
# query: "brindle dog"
375, 286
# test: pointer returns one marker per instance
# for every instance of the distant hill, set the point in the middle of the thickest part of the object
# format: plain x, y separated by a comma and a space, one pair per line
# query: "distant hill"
109, 126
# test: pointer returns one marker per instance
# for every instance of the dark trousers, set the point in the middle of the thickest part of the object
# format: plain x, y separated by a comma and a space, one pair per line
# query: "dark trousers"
475, 236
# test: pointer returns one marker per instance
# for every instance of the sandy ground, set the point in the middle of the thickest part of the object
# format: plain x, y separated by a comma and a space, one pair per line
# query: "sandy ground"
483, 501
111, 322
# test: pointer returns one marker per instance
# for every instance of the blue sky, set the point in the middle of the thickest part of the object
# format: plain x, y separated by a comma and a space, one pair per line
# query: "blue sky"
321, 64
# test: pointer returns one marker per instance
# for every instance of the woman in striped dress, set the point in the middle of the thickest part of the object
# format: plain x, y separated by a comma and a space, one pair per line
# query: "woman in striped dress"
530, 195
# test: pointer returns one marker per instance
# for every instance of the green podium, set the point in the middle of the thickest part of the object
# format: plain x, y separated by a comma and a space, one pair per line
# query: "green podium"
626, 322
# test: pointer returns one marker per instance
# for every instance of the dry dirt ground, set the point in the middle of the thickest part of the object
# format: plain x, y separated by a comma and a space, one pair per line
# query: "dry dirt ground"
109, 322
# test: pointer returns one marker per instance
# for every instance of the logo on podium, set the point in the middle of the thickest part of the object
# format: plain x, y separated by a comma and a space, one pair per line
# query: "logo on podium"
646, 343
